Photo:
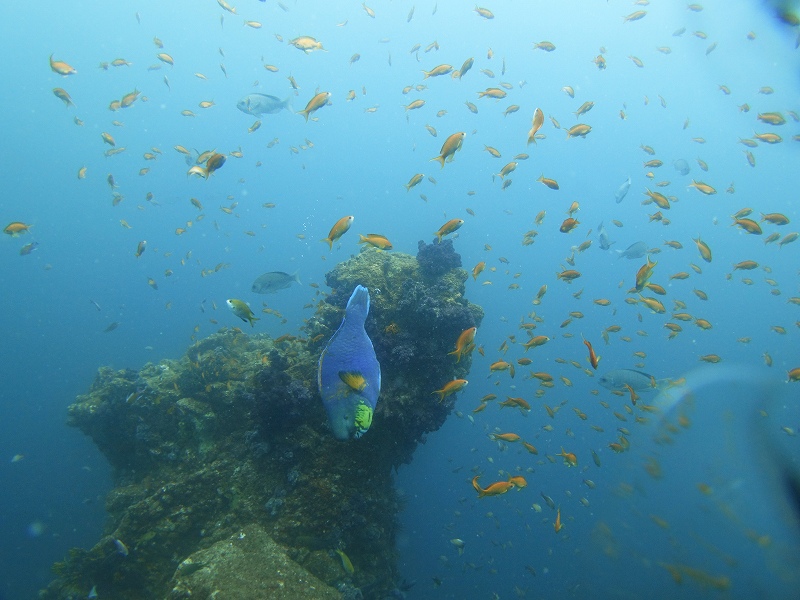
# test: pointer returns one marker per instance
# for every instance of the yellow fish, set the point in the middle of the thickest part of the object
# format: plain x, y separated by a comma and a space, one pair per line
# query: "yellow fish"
338, 230
315, 104
449, 227
451, 145
61, 67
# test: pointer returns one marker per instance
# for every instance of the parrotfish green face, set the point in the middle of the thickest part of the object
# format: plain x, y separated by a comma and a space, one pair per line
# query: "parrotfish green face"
363, 419
349, 375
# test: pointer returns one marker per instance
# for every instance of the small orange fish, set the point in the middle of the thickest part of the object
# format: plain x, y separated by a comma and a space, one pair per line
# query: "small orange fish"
16, 228
530, 448
535, 341
448, 228
61, 67
634, 395
505, 437
464, 343
451, 387
593, 358
317, 102
551, 183
478, 269
451, 145
569, 458
557, 525
538, 120
518, 481
568, 225
376, 240
338, 230
495, 489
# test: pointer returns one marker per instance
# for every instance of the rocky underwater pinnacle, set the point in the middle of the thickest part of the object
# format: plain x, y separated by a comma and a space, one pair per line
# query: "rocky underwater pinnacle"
231, 443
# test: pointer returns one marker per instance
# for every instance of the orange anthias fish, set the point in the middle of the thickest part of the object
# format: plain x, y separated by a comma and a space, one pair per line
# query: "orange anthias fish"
518, 480
569, 458
338, 230
464, 344
451, 387
317, 102
478, 269
449, 227
495, 489
557, 525
506, 437
451, 145
593, 358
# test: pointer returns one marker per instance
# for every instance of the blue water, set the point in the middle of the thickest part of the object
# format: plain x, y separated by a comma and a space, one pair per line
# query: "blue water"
356, 163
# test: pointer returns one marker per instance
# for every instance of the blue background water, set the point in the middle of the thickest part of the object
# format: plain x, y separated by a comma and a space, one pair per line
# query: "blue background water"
53, 339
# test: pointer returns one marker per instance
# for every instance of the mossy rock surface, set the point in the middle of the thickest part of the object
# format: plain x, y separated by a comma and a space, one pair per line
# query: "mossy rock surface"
246, 566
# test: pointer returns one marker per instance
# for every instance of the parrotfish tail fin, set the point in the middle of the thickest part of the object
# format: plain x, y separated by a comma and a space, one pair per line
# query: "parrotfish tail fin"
359, 302
328, 241
287, 104
440, 159
296, 277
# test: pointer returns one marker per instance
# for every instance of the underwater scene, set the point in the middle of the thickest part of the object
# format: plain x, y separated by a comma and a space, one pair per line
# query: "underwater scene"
400, 299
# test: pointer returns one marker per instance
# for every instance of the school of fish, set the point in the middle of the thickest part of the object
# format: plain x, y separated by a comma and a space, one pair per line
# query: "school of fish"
669, 289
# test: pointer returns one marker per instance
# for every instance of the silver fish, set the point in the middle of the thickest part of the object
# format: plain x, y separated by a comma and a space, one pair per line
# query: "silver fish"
635, 250
681, 166
622, 190
605, 241
261, 104
272, 282
618, 379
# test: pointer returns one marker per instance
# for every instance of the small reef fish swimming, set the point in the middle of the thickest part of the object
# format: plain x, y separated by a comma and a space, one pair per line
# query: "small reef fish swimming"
622, 190
338, 230
635, 250
349, 374
263, 104
605, 241
621, 379
241, 310
272, 282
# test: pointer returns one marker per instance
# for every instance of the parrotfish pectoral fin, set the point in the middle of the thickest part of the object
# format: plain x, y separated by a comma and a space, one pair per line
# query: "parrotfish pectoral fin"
354, 380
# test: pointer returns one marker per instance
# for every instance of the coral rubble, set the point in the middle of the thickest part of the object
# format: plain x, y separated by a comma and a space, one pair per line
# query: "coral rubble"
230, 445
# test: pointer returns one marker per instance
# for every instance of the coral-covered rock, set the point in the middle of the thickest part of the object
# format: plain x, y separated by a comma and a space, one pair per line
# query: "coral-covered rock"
233, 438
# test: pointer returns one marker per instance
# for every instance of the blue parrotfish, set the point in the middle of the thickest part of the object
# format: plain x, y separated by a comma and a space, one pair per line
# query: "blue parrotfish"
349, 375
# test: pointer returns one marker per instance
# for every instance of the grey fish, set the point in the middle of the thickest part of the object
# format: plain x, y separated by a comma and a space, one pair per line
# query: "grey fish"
623, 190
605, 241
681, 166
635, 250
272, 282
617, 380
261, 104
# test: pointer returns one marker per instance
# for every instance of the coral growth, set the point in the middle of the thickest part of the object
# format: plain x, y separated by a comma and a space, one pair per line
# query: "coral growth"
233, 438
